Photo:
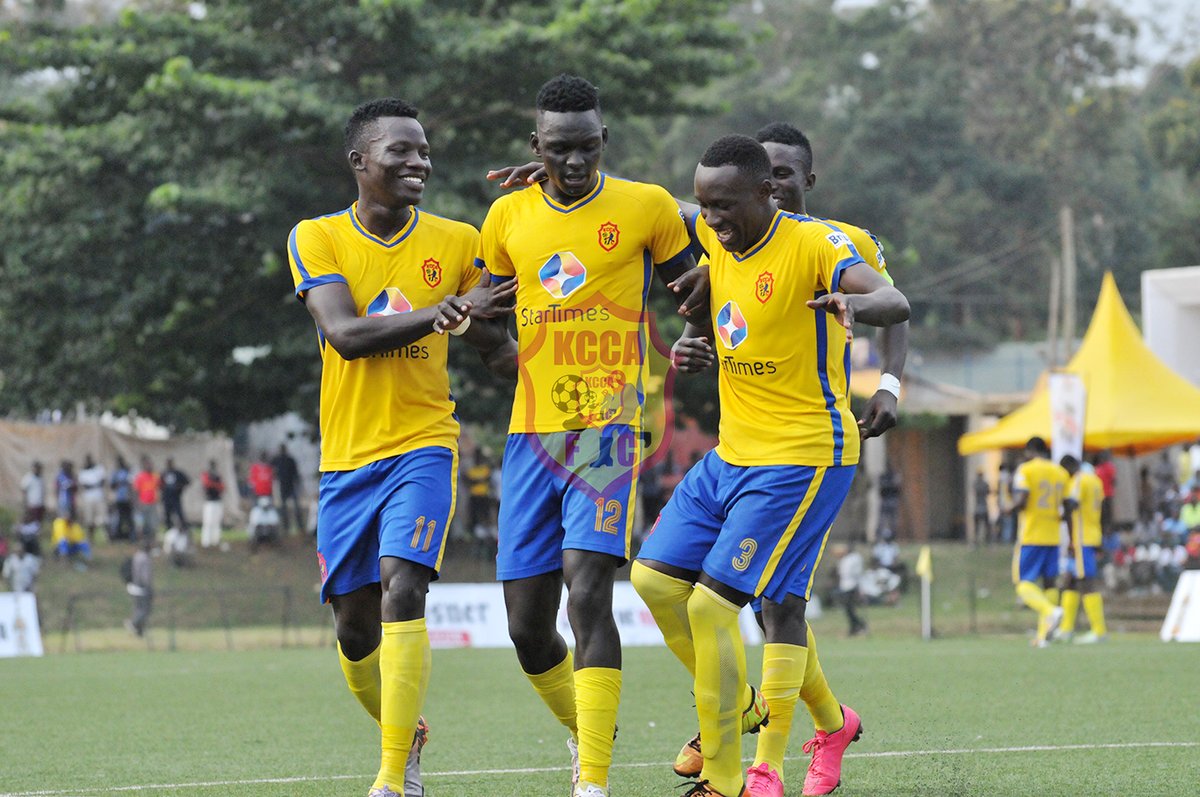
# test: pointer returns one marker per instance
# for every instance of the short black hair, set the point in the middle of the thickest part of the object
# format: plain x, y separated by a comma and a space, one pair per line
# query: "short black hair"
1037, 444
741, 151
1069, 462
568, 93
788, 135
365, 114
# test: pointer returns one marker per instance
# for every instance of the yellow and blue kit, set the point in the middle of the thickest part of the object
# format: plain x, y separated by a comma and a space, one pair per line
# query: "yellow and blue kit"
389, 435
1087, 491
1040, 529
755, 513
584, 272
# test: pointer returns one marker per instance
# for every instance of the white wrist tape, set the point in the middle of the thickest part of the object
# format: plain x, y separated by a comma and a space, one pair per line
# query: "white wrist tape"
466, 322
889, 383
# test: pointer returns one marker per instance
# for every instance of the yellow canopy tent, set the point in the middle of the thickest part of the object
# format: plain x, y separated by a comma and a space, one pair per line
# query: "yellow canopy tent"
1135, 403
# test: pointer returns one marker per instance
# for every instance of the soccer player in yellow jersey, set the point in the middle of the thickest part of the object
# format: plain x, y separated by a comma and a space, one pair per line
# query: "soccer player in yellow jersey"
1039, 487
751, 519
1085, 496
583, 247
789, 641
373, 276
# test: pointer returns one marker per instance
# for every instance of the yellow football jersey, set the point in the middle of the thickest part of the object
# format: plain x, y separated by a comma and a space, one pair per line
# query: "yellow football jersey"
783, 384
583, 274
386, 404
1046, 483
1088, 492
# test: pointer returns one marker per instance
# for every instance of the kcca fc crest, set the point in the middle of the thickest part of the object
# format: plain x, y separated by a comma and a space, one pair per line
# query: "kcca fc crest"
431, 270
764, 287
609, 235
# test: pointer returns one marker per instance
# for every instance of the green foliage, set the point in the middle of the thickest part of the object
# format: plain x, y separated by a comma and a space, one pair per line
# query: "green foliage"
154, 165
955, 130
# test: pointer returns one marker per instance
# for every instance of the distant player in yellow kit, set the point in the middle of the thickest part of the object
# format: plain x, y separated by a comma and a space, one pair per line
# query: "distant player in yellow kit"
1085, 496
1039, 487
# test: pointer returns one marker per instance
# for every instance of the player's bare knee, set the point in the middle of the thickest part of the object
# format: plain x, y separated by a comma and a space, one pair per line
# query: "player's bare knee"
784, 622
588, 608
403, 600
529, 634
357, 635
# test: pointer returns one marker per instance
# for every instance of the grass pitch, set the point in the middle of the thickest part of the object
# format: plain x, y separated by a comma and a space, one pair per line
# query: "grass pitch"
970, 716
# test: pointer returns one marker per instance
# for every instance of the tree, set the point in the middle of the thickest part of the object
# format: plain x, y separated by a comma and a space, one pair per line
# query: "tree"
154, 165
955, 130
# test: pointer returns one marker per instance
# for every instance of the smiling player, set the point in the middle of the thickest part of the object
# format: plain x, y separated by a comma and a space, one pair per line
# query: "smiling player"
372, 277
752, 517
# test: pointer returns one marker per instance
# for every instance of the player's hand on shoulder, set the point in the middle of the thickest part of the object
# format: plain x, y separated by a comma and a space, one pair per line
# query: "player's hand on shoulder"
693, 284
509, 176
879, 416
692, 355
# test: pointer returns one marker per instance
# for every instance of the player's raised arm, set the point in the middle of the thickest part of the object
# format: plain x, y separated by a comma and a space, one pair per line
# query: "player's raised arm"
864, 295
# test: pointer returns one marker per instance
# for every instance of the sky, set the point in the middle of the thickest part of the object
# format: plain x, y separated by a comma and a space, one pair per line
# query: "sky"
1170, 29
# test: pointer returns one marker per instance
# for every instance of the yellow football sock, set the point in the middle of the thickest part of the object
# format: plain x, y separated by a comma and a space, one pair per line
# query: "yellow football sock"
1043, 620
1034, 598
556, 688
720, 684
783, 676
597, 694
404, 671
1093, 606
1070, 607
362, 677
667, 599
817, 696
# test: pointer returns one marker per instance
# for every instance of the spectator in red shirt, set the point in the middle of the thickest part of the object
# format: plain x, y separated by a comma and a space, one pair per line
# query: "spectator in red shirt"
262, 477
1107, 473
146, 486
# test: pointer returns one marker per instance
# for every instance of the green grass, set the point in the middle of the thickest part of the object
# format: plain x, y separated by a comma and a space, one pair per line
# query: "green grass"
90, 724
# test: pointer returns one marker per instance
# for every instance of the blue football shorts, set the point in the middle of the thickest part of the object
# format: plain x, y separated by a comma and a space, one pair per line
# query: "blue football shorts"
1037, 561
1083, 562
400, 506
759, 529
566, 490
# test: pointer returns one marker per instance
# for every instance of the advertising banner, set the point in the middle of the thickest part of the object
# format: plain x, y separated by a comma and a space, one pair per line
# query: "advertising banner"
472, 615
20, 633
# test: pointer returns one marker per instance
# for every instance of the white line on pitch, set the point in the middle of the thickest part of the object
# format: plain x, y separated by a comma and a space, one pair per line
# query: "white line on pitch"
1047, 748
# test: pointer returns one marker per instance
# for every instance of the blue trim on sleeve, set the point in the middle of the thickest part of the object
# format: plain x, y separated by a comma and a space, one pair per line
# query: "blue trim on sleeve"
842, 266
823, 374
304, 275
678, 259
324, 279
479, 264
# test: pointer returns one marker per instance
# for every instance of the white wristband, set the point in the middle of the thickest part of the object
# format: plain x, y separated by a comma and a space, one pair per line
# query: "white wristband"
889, 383
466, 322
